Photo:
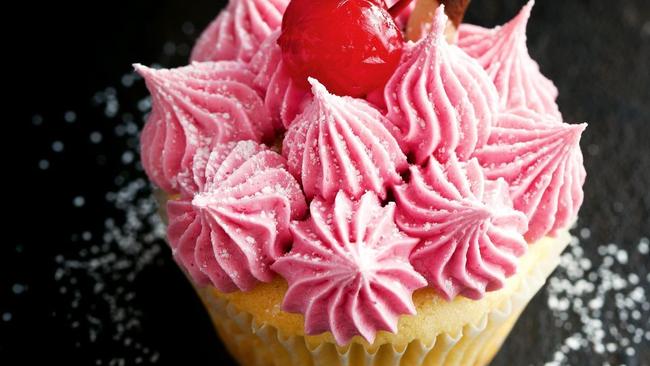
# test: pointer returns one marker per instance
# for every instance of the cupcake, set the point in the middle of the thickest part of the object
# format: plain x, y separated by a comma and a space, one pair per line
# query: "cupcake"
347, 183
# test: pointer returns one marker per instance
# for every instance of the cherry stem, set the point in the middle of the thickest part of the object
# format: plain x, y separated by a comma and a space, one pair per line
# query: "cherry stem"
398, 7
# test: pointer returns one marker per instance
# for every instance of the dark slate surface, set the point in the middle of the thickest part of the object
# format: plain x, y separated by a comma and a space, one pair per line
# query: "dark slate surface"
596, 51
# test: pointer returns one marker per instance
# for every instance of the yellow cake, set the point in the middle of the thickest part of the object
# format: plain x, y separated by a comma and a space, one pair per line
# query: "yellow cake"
461, 332
399, 211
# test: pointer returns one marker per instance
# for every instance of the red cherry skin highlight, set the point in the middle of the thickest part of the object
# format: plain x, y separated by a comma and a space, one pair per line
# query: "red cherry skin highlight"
351, 46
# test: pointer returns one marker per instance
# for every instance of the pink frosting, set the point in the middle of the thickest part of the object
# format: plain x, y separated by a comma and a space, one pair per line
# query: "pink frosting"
283, 97
195, 106
232, 220
403, 18
441, 100
541, 160
494, 167
238, 31
348, 270
342, 143
503, 53
471, 234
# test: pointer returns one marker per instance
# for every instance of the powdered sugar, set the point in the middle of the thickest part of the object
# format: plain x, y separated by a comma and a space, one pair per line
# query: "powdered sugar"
97, 284
106, 272
604, 305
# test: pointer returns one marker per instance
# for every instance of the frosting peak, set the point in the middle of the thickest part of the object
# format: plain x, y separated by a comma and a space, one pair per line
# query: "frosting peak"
540, 158
441, 100
232, 220
238, 31
348, 270
491, 166
284, 98
342, 143
503, 53
195, 106
471, 235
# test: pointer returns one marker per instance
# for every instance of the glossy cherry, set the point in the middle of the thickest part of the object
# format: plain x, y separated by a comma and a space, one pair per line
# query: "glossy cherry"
351, 46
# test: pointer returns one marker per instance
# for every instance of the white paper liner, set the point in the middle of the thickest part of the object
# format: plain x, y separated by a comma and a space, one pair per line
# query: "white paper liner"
253, 344
476, 344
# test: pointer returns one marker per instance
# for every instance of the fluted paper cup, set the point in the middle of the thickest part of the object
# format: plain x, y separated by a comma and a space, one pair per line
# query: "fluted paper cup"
460, 332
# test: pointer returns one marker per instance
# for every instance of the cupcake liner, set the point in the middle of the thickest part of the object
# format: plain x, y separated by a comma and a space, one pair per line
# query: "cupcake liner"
252, 343
256, 344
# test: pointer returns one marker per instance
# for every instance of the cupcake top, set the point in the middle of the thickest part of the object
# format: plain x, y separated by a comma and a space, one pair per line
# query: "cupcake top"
348, 269
342, 144
356, 165
503, 54
239, 30
441, 99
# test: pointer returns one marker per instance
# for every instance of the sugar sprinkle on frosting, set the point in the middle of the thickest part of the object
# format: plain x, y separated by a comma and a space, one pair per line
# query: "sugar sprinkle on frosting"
232, 220
348, 270
503, 53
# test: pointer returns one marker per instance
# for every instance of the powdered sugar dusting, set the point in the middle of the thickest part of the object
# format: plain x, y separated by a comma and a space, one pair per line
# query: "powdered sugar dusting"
97, 284
600, 301
106, 271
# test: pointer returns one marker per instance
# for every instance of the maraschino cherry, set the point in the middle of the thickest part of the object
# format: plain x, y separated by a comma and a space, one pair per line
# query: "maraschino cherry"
351, 46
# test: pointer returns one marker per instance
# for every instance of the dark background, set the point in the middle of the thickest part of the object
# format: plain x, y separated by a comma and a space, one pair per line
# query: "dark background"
62, 58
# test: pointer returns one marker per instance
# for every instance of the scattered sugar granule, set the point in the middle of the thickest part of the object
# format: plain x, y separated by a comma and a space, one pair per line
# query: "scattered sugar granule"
108, 267
79, 201
43, 164
584, 292
37, 120
95, 137
70, 116
644, 246
96, 281
57, 146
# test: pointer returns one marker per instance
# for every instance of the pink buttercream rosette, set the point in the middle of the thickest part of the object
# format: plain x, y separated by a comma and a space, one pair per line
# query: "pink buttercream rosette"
503, 53
348, 270
197, 106
471, 235
239, 30
232, 220
440, 99
468, 163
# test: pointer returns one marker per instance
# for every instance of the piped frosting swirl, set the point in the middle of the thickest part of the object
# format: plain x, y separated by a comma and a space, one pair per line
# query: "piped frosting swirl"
503, 53
483, 180
232, 220
238, 30
348, 270
471, 235
342, 143
441, 100
194, 106
283, 97
540, 158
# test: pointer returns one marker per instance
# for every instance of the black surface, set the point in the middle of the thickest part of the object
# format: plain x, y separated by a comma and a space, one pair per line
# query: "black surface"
596, 51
